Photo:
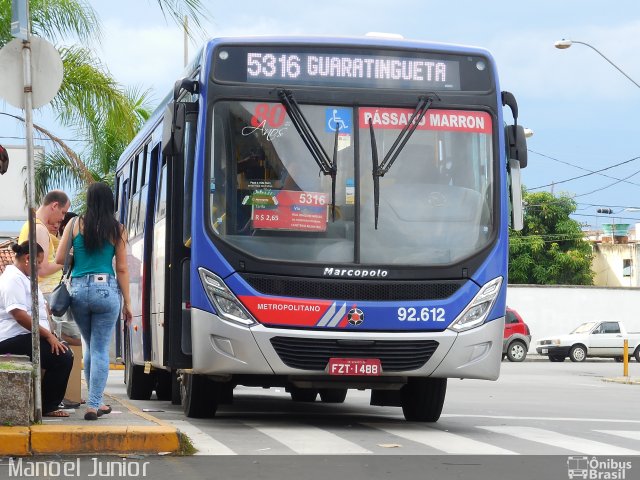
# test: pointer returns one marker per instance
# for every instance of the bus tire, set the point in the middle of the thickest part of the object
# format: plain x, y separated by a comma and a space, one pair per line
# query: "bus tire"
303, 394
333, 395
637, 354
422, 398
139, 384
198, 395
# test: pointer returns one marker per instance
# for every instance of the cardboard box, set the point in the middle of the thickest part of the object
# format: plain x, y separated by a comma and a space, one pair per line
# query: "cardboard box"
73, 392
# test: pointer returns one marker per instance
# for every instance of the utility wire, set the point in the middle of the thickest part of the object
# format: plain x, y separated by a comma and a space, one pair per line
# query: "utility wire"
43, 139
604, 188
578, 167
589, 174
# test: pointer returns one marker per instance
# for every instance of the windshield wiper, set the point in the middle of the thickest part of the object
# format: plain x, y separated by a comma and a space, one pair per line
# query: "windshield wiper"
379, 170
327, 166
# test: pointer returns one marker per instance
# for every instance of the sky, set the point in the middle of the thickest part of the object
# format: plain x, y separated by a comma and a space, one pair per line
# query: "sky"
582, 110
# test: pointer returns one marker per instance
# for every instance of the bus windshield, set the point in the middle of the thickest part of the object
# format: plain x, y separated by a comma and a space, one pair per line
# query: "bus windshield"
270, 199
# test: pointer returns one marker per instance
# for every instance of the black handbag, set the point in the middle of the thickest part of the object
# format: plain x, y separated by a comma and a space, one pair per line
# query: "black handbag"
60, 299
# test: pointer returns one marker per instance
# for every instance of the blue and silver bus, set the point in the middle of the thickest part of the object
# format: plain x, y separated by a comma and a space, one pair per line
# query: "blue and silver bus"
321, 214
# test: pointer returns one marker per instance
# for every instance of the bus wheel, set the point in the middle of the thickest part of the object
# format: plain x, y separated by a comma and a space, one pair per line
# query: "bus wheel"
333, 395
422, 399
303, 394
139, 384
198, 395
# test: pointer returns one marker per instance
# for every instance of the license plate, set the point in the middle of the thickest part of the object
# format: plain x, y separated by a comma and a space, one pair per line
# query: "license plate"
545, 350
354, 366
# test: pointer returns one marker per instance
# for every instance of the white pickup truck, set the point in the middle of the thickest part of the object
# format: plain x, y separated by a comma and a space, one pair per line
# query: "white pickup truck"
591, 339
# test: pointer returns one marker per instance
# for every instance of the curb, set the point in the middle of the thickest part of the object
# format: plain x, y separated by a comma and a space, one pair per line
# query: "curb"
75, 439
625, 380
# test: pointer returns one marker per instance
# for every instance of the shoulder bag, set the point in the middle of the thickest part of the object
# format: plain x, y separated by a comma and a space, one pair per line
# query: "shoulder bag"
60, 298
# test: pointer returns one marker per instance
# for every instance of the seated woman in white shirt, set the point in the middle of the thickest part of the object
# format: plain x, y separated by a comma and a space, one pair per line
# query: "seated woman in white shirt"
15, 329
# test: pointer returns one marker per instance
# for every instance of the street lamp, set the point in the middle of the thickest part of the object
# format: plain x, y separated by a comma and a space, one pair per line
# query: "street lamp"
564, 44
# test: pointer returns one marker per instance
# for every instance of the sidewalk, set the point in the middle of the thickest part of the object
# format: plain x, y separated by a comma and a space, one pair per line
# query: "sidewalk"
535, 357
125, 430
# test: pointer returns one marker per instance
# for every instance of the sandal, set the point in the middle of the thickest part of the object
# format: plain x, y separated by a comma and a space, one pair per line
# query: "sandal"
104, 411
56, 413
91, 416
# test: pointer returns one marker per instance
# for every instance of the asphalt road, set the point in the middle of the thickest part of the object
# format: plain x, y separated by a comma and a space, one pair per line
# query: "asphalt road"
535, 408
539, 421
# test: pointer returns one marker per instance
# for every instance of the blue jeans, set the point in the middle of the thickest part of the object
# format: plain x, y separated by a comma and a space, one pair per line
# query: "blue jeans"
95, 307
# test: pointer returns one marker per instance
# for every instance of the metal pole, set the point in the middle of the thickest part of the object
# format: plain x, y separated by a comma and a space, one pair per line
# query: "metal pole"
35, 317
603, 56
625, 358
186, 40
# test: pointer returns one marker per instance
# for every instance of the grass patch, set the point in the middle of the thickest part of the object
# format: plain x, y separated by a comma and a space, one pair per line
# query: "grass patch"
15, 366
186, 447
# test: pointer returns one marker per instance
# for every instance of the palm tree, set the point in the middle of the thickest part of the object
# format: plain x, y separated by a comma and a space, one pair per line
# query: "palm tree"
90, 100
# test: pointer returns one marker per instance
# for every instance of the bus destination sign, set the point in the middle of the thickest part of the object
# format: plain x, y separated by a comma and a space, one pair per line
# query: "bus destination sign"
350, 67
351, 70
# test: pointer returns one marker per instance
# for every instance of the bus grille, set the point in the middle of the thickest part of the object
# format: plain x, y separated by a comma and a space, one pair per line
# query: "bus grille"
314, 354
334, 289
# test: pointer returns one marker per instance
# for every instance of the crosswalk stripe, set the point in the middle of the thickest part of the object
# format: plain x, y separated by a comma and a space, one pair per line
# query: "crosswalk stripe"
309, 440
444, 441
631, 434
205, 444
559, 440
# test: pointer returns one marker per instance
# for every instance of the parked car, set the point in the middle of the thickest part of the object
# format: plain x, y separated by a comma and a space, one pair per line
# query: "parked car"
591, 339
516, 337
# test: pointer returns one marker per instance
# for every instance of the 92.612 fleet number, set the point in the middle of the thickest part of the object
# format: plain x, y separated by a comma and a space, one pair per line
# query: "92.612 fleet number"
424, 314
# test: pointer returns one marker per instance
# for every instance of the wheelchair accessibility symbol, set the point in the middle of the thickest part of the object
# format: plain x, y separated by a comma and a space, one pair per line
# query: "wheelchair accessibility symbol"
338, 119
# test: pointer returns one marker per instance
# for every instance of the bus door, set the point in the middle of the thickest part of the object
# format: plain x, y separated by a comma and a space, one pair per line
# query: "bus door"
179, 193
121, 206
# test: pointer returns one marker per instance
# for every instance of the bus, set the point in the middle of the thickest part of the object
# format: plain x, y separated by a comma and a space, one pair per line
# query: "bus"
319, 215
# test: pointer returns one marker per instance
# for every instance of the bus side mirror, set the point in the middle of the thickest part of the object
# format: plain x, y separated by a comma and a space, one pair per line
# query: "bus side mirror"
516, 144
515, 192
173, 129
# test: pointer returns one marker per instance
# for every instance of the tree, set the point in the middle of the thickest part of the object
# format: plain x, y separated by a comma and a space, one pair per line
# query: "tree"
90, 101
550, 249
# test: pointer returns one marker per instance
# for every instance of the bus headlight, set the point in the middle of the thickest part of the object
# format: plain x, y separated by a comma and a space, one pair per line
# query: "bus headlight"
223, 299
476, 312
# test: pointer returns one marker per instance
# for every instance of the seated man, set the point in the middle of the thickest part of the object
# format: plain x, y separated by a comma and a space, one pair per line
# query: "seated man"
15, 329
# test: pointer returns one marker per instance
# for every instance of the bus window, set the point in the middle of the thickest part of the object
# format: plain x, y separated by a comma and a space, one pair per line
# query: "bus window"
144, 188
188, 156
117, 196
277, 202
124, 203
133, 175
161, 205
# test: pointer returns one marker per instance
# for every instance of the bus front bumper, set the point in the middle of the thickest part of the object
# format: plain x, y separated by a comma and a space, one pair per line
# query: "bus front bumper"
221, 348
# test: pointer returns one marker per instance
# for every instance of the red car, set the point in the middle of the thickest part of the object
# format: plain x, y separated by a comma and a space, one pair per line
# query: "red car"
517, 337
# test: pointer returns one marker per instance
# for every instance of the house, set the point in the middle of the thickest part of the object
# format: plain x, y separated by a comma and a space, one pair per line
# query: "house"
6, 254
616, 255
